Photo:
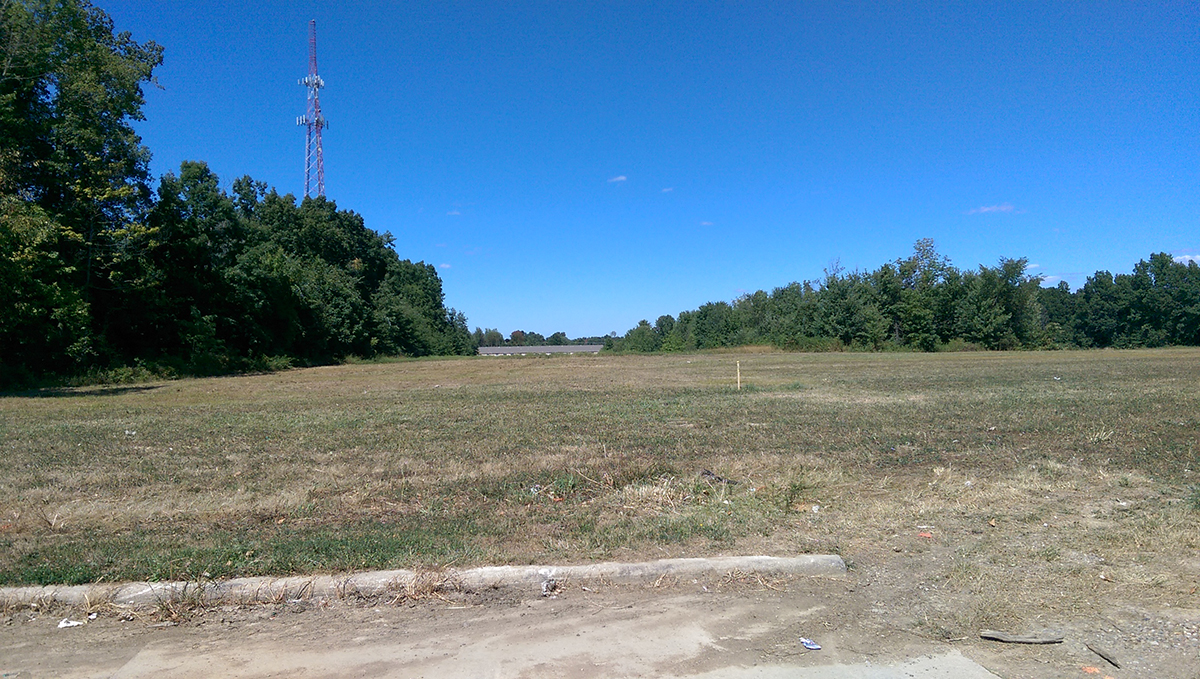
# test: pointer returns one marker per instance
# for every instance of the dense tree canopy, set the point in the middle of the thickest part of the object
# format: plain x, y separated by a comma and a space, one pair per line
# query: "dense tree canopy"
100, 268
924, 303
97, 269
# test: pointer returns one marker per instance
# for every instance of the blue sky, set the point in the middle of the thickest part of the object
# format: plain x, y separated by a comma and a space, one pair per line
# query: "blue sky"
578, 166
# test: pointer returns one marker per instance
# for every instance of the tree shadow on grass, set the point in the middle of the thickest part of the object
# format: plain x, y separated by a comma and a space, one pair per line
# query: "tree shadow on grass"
60, 392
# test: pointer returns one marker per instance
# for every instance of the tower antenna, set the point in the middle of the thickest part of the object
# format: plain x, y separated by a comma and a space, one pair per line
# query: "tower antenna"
313, 122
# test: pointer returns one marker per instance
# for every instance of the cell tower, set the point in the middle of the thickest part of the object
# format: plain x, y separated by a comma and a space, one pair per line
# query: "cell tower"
314, 122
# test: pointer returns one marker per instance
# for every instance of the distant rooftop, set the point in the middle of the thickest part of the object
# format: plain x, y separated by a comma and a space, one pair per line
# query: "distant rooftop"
554, 349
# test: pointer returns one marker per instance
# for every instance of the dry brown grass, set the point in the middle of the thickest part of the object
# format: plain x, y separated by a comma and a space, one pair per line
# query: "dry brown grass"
1036, 473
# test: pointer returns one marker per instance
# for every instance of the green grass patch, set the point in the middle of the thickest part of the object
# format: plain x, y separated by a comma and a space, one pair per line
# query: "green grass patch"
471, 461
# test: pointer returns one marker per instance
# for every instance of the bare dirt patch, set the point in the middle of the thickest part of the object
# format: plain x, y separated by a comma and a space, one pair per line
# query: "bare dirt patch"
716, 626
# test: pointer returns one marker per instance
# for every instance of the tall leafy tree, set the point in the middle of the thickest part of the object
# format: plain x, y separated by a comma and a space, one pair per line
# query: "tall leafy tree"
97, 268
73, 173
1059, 307
641, 338
43, 319
795, 313
70, 89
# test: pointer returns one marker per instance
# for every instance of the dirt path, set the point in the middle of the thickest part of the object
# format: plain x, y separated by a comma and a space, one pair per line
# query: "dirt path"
715, 627
681, 630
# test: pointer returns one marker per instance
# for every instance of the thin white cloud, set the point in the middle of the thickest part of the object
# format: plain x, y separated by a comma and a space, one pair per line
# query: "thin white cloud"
668, 189
1002, 207
443, 266
1187, 258
618, 178
1033, 266
705, 223
453, 213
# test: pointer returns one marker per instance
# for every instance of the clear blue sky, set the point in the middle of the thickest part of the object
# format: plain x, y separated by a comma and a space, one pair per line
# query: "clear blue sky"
579, 166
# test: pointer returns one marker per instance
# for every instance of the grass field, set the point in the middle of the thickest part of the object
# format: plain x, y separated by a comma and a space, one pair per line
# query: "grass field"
1043, 471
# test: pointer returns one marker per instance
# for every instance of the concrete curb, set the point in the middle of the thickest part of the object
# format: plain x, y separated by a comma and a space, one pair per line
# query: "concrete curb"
374, 583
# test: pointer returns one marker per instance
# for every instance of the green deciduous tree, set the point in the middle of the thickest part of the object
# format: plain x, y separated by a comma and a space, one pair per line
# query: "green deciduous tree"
72, 171
70, 89
924, 303
641, 337
95, 267
43, 319
490, 337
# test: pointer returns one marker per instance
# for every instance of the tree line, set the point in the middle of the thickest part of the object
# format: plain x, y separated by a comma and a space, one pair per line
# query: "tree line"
101, 268
924, 303
492, 337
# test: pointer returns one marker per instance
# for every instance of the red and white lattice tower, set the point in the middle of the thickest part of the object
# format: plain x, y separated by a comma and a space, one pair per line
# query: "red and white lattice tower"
314, 122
